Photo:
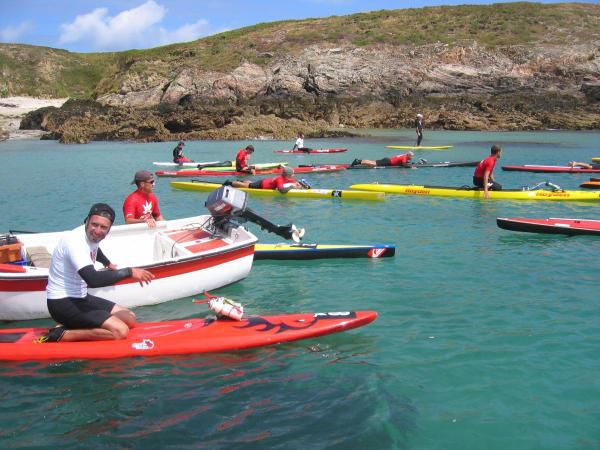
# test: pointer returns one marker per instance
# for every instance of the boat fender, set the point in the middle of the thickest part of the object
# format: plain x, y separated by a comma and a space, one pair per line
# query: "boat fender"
225, 307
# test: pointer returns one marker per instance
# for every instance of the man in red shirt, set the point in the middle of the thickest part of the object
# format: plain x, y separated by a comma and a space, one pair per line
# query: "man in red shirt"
142, 205
282, 183
484, 172
241, 160
398, 160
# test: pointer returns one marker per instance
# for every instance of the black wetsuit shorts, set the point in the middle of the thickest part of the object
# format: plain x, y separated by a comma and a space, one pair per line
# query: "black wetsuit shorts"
80, 313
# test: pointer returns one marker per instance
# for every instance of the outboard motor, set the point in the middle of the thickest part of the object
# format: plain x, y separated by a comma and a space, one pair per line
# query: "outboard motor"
228, 205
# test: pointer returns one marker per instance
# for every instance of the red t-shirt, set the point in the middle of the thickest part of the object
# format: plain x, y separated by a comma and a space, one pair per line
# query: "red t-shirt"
487, 164
400, 159
141, 206
241, 159
276, 183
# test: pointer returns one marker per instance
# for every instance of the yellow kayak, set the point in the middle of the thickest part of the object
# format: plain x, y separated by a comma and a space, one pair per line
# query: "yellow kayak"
228, 168
507, 194
596, 159
420, 147
296, 193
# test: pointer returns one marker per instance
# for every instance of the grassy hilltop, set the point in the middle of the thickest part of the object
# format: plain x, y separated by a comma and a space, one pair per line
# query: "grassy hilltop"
48, 72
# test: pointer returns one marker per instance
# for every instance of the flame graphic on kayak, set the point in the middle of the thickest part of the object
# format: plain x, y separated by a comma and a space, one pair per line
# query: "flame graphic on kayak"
283, 326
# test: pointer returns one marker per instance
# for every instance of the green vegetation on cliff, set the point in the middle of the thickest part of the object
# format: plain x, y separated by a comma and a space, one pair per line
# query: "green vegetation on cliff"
48, 72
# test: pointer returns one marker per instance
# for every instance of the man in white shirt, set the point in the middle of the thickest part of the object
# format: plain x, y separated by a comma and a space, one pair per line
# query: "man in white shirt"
85, 317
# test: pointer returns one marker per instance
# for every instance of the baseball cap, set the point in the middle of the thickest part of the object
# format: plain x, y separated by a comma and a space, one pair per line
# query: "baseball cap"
102, 209
287, 171
250, 147
411, 153
142, 175
181, 143
420, 115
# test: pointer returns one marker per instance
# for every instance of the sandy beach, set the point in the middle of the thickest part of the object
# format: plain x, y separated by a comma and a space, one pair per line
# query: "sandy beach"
12, 109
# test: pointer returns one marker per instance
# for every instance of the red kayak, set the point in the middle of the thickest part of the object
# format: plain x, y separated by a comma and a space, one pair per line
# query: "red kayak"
591, 184
182, 337
314, 150
550, 169
569, 227
325, 168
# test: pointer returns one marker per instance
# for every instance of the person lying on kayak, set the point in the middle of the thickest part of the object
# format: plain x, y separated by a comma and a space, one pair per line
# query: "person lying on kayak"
299, 145
141, 206
241, 160
82, 316
398, 160
483, 177
583, 165
178, 157
283, 183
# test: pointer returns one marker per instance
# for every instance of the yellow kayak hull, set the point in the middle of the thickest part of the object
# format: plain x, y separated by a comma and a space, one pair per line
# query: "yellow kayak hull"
321, 251
295, 193
441, 191
596, 159
421, 147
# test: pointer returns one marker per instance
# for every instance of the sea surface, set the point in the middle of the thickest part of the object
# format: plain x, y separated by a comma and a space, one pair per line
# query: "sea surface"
486, 339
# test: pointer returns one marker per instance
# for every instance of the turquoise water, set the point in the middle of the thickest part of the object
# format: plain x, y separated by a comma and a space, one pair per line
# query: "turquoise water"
486, 339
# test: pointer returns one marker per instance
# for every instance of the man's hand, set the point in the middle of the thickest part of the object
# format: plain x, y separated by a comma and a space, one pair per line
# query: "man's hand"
143, 276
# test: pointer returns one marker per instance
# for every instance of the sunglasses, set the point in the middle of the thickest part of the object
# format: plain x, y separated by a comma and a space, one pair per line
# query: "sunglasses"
152, 182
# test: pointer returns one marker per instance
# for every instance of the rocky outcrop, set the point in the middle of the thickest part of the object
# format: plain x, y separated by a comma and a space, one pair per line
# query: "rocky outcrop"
463, 86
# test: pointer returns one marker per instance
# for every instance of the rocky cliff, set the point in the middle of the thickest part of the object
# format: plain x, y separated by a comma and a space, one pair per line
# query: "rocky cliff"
525, 66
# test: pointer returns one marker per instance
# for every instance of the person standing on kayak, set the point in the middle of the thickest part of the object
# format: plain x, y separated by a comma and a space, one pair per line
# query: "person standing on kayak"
82, 316
142, 204
484, 172
398, 160
299, 145
419, 128
241, 160
282, 183
178, 157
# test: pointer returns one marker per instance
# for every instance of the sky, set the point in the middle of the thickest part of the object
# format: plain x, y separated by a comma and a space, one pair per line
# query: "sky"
114, 25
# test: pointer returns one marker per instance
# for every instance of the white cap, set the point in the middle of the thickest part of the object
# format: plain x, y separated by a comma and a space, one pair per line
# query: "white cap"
420, 116
411, 153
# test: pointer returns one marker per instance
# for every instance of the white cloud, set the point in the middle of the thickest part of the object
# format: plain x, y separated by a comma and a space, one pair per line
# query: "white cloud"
14, 33
134, 28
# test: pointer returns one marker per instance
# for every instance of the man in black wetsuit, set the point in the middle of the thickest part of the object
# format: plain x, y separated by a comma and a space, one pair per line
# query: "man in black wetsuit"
85, 317
419, 128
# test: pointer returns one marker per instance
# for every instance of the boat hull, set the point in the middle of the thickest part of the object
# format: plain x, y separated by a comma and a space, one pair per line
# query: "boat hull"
185, 261
549, 169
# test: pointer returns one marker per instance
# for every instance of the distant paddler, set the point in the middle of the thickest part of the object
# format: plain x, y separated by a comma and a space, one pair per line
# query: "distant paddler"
283, 183
242, 158
419, 128
483, 177
178, 157
299, 145
398, 160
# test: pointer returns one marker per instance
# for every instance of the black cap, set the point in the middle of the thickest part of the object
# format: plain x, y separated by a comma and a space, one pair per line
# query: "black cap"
250, 147
104, 210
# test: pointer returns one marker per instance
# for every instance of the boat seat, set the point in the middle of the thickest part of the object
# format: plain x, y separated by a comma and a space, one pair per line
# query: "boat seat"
39, 256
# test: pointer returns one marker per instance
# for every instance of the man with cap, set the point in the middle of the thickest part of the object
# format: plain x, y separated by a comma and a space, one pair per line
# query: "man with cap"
483, 177
142, 204
82, 316
178, 157
283, 183
241, 160
419, 128
398, 160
